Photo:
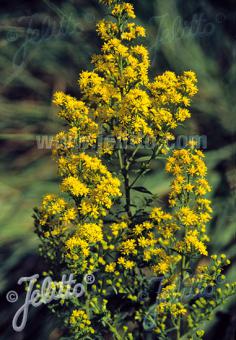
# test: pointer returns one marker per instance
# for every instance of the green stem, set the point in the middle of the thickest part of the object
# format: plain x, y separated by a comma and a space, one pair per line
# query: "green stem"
183, 260
178, 329
145, 166
114, 331
131, 159
120, 159
124, 170
127, 185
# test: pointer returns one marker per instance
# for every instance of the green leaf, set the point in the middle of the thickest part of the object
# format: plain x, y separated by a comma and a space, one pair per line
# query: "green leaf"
143, 190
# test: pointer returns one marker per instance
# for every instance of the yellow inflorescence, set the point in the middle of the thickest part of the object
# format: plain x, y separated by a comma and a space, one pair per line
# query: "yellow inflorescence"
80, 323
90, 229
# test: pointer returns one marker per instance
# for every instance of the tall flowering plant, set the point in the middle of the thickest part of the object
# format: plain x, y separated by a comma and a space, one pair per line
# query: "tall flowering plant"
151, 263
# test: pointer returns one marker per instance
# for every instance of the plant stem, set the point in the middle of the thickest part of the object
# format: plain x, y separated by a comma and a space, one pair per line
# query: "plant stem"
182, 270
127, 185
178, 329
124, 170
114, 331
145, 166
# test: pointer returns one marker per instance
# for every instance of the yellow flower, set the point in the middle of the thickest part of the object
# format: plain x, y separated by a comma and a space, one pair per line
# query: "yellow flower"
77, 242
74, 186
80, 322
192, 240
110, 268
187, 216
128, 247
129, 264
69, 215
124, 9
117, 228
91, 232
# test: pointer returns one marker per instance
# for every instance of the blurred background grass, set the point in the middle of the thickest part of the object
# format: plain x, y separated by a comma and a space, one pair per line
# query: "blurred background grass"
44, 46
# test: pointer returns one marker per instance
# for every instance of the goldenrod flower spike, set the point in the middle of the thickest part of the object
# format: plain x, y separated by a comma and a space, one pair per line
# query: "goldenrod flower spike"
95, 226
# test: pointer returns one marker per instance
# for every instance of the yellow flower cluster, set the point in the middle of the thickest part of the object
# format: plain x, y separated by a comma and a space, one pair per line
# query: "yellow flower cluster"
124, 9
55, 212
118, 228
74, 186
127, 264
128, 247
133, 32
189, 186
76, 113
91, 232
169, 305
80, 248
80, 245
53, 205
90, 182
192, 210
107, 29
80, 324
153, 239
193, 244
120, 83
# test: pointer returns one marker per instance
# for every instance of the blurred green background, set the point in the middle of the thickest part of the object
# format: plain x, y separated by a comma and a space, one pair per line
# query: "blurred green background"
44, 46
